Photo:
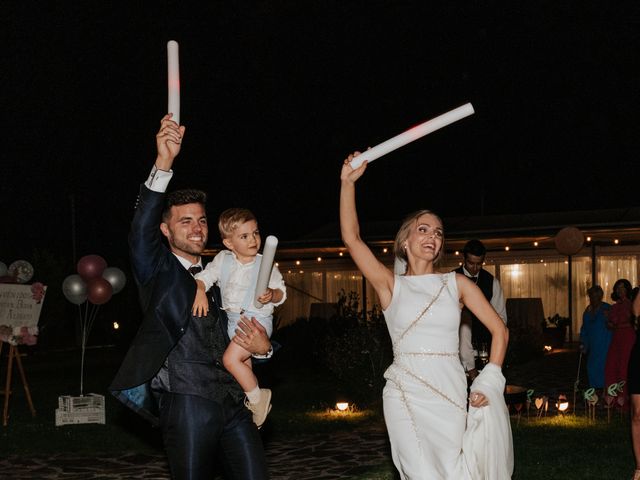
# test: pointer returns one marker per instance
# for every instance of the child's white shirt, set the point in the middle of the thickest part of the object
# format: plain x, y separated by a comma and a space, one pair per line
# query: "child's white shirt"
240, 276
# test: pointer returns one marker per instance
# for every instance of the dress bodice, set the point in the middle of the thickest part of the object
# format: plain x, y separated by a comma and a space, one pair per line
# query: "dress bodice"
437, 329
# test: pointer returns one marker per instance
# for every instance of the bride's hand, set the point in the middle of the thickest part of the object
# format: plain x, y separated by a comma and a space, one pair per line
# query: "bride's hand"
477, 400
350, 174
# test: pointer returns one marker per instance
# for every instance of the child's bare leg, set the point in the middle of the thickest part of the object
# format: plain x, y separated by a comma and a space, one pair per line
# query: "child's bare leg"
237, 361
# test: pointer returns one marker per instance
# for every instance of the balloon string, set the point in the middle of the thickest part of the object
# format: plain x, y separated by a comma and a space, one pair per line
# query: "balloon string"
82, 344
92, 319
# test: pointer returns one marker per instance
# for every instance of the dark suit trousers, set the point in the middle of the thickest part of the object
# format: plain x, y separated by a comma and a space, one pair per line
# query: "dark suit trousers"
198, 434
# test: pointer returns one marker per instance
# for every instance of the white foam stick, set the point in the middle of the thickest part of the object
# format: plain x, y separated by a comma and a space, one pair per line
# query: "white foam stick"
412, 134
264, 274
173, 70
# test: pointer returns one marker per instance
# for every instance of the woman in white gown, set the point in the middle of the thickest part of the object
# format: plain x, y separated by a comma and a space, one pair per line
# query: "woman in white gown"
432, 435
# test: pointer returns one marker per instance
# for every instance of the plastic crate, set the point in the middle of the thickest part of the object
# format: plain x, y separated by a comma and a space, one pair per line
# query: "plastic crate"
73, 418
75, 410
90, 402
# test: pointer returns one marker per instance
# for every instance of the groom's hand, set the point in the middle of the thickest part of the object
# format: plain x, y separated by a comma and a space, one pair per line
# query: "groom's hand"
252, 336
168, 142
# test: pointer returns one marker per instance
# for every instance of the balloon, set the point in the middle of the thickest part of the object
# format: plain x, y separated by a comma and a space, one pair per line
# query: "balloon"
115, 277
100, 291
3, 269
91, 266
21, 270
74, 289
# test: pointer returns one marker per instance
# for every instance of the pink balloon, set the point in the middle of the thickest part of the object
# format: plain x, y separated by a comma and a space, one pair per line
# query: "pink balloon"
99, 291
91, 266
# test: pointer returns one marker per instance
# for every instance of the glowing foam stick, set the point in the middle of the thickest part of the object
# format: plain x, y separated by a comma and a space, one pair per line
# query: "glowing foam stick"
173, 70
412, 134
264, 274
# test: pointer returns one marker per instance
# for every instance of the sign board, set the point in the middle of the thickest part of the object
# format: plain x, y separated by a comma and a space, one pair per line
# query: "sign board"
20, 307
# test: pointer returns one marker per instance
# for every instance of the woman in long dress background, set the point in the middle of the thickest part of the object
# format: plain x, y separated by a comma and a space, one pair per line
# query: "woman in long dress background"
425, 406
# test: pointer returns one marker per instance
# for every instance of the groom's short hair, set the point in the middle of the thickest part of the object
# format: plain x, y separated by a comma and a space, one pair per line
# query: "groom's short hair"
182, 197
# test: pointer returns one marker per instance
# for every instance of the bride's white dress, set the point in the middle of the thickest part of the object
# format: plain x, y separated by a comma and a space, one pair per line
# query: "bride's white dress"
425, 397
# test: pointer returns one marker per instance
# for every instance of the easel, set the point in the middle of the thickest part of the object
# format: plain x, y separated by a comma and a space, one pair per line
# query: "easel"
14, 354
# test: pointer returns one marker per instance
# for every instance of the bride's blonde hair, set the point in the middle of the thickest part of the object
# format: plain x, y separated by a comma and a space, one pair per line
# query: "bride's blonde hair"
404, 231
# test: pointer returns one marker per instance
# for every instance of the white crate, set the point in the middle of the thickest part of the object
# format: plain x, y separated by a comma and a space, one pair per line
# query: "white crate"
73, 418
86, 403
75, 410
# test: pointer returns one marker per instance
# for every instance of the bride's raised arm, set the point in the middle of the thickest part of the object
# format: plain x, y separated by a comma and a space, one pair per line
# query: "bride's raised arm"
380, 277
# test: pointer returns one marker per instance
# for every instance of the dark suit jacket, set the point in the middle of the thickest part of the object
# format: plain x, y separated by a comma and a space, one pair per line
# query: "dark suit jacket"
167, 291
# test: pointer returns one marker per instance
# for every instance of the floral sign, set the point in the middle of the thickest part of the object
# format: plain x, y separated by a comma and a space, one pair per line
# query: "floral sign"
20, 307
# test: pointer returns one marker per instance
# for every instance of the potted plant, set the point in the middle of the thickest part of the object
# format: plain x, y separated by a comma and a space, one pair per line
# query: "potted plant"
554, 330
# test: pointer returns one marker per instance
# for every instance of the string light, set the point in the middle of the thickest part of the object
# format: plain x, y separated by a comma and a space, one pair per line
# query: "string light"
506, 248
535, 244
457, 252
616, 241
385, 250
297, 262
340, 254
588, 239
319, 259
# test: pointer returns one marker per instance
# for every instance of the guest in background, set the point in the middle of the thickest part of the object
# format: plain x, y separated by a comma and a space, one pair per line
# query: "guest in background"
472, 331
633, 388
595, 337
622, 339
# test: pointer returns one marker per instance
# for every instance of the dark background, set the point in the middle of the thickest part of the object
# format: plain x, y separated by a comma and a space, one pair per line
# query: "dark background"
276, 93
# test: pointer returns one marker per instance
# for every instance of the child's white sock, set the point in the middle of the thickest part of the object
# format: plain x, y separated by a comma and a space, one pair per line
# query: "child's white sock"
253, 395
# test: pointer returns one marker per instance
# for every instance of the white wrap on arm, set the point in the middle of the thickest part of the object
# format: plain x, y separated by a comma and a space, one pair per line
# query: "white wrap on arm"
487, 442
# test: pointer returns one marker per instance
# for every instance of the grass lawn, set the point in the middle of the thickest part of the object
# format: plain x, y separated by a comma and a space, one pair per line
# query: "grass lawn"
551, 448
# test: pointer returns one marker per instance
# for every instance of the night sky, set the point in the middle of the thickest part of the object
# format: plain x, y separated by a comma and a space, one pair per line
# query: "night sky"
276, 93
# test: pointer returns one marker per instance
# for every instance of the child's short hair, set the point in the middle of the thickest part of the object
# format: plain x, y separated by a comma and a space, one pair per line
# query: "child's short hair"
231, 218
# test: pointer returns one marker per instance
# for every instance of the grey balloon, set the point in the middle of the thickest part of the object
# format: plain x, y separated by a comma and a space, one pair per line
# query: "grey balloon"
115, 277
3, 269
74, 289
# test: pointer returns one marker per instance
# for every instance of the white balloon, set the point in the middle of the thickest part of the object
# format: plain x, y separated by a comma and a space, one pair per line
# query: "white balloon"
115, 277
21, 270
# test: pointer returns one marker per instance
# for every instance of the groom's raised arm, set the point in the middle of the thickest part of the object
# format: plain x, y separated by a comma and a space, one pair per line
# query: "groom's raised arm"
145, 239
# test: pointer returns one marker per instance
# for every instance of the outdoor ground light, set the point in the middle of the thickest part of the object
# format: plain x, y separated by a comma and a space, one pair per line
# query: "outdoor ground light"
548, 348
116, 325
562, 404
342, 406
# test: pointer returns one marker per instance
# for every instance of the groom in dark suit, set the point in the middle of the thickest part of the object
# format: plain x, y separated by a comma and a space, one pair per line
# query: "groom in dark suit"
172, 374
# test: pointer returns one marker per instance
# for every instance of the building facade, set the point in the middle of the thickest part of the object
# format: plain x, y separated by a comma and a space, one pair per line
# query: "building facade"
522, 254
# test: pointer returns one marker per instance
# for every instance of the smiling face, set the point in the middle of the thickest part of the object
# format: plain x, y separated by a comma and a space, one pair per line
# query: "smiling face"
186, 230
244, 241
425, 238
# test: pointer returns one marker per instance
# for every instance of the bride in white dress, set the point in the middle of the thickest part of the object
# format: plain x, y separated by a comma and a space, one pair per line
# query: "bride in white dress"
433, 436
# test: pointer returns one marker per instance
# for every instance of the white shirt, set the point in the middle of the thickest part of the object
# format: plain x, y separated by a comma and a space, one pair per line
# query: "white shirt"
240, 276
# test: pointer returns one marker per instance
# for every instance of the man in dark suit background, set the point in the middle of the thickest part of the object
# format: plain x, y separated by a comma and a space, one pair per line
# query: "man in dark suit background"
472, 331
172, 374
